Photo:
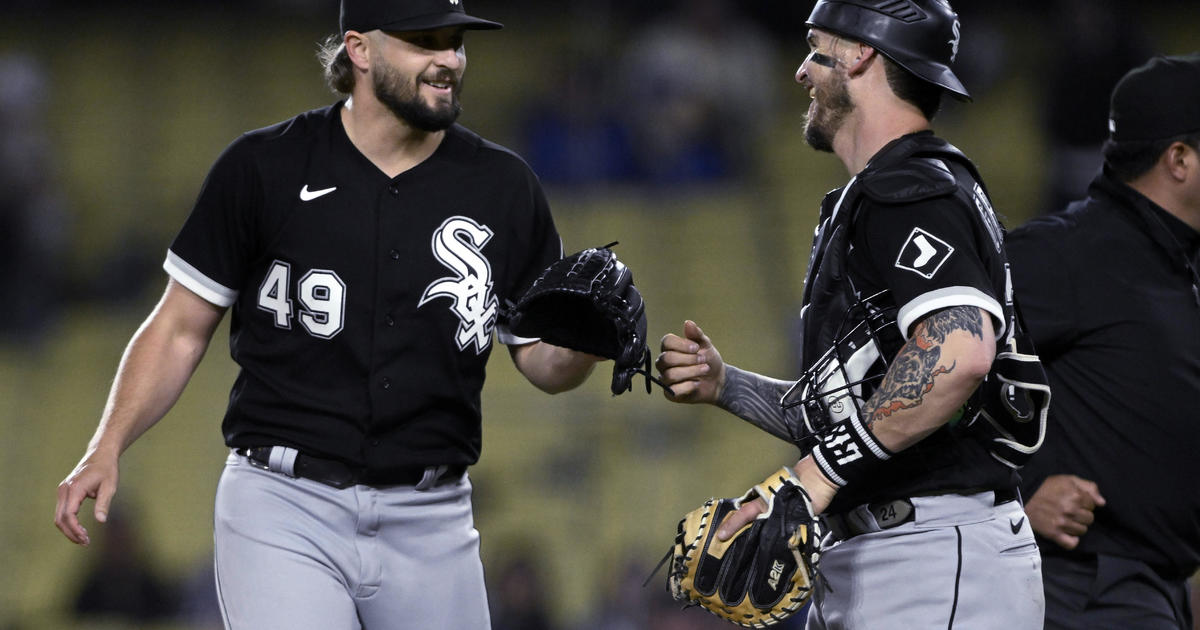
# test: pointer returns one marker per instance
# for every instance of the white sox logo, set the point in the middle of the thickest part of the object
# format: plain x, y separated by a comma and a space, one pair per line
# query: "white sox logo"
923, 253
457, 244
954, 41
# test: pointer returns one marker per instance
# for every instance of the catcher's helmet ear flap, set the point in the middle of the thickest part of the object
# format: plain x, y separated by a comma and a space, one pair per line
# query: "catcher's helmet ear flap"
921, 36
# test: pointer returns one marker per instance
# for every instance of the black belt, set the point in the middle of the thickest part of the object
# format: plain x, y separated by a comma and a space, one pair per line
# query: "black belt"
340, 475
889, 514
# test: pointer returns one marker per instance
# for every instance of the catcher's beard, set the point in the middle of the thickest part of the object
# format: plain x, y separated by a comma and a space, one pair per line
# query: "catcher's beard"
403, 98
833, 105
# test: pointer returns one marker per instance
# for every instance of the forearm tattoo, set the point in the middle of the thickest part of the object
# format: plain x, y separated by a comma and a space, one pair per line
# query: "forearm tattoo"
755, 399
914, 369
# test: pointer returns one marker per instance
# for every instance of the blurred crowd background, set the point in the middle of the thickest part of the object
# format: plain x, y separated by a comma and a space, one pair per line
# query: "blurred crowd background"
674, 127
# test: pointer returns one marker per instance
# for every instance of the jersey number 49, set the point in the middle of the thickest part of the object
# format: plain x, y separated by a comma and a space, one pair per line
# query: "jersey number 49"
322, 297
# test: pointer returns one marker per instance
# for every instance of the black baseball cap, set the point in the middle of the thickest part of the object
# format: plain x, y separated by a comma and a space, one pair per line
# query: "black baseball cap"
408, 15
1157, 100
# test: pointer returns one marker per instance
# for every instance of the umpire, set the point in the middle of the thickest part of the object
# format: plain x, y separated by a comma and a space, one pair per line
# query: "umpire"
364, 249
1110, 292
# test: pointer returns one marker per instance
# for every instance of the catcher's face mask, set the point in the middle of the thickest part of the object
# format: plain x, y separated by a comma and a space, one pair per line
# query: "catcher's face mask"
1007, 412
837, 385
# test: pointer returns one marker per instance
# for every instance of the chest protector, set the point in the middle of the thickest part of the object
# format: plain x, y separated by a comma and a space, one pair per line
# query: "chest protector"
849, 339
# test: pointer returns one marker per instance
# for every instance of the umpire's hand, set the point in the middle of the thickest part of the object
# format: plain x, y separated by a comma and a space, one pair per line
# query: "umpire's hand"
690, 366
1063, 508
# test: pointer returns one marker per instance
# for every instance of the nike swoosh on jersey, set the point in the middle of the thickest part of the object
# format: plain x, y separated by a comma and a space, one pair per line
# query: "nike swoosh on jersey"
309, 195
1016, 527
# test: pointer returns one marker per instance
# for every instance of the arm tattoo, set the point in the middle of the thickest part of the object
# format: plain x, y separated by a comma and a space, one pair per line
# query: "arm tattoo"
915, 367
755, 399
940, 324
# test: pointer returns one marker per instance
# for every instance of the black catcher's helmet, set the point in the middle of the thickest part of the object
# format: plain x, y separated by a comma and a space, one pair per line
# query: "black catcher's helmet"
920, 35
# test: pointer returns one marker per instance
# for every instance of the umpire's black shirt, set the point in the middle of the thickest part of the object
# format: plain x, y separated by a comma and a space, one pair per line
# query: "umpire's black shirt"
1106, 290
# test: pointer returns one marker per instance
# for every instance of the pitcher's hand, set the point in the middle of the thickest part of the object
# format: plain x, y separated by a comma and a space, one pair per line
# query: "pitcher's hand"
95, 477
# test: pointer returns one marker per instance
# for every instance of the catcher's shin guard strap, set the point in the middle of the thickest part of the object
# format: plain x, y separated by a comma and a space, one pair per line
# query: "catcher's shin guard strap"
848, 452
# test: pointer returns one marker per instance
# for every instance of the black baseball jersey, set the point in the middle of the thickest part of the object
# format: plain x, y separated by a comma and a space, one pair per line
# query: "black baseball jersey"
364, 306
1110, 293
912, 234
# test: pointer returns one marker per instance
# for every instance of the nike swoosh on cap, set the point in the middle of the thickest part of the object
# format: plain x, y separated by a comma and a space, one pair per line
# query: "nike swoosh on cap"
309, 195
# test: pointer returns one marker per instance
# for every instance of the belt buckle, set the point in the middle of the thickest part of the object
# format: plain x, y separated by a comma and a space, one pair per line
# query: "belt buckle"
249, 454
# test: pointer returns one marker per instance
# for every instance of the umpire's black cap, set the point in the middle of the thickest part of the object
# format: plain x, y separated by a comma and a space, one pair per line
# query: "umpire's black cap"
408, 15
1157, 100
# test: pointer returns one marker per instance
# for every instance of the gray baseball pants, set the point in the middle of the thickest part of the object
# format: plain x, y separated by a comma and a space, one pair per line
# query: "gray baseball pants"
295, 554
961, 563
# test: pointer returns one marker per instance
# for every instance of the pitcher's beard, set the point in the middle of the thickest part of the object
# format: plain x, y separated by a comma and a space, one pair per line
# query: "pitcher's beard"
405, 102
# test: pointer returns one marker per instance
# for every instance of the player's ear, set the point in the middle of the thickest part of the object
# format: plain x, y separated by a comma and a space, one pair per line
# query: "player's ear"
358, 48
863, 57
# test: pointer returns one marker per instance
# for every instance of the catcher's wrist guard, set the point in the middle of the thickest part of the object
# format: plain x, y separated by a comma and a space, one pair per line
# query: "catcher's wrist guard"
765, 572
848, 451
587, 302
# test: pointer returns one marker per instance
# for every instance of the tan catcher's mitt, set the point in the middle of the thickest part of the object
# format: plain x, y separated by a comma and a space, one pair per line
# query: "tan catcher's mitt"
765, 572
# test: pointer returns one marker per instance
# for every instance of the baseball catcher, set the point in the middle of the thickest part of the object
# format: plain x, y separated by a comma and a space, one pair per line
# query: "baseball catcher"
587, 302
764, 573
